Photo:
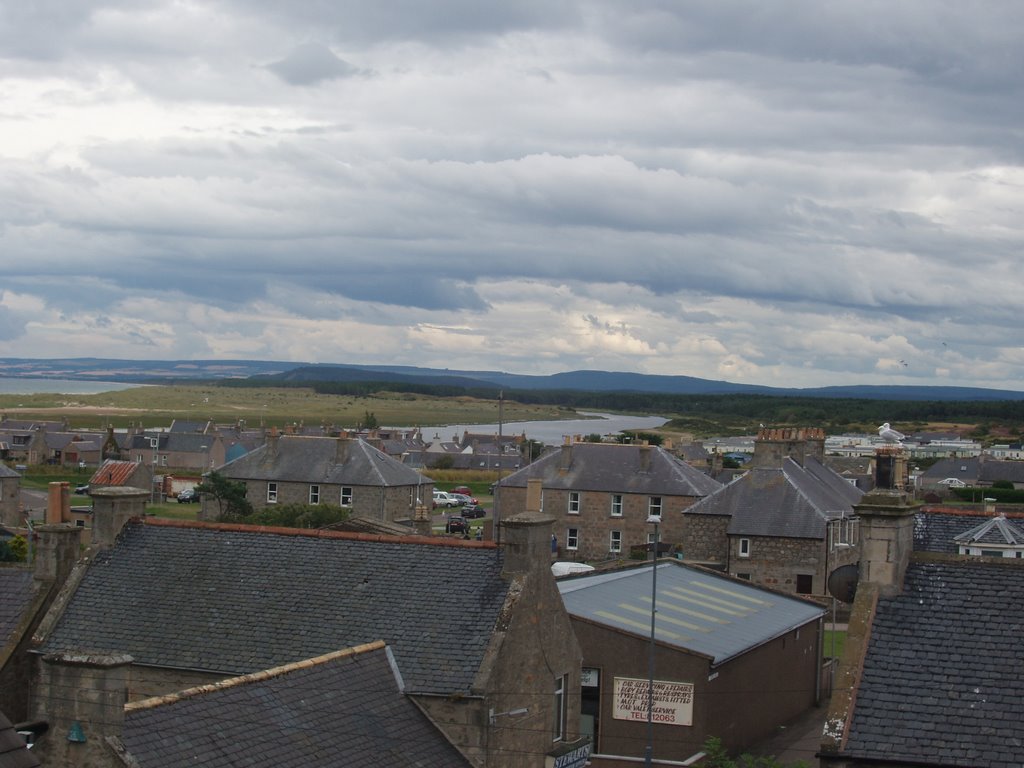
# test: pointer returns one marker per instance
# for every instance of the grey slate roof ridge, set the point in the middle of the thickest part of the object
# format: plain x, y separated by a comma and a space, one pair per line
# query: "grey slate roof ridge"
790, 501
594, 465
302, 458
347, 709
223, 600
996, 530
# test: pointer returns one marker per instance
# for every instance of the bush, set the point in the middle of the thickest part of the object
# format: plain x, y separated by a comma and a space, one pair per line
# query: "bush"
299, 515
14, 551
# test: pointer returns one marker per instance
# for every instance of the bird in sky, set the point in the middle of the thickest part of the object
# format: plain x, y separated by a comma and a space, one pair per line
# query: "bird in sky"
889, 434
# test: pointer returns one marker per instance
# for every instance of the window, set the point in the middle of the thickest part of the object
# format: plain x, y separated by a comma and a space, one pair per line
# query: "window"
654, 506
615, 541
163, 459
314, 494
572, 538
744, 547
346, 496
616, 505
804, 582
272, 493
744, 576
574, 502
561, 710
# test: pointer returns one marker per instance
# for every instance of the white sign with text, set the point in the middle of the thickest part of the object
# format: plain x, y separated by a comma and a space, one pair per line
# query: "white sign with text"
672, 704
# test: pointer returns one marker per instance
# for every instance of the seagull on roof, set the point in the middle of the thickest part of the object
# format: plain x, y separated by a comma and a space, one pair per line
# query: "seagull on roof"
889, 434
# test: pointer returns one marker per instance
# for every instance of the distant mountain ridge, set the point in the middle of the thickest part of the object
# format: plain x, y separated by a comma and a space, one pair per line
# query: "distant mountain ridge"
155, 371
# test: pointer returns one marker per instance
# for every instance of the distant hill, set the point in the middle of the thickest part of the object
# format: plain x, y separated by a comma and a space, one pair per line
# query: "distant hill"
269, 371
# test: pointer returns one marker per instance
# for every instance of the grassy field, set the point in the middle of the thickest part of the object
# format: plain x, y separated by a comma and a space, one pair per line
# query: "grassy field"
839, 638
158, 405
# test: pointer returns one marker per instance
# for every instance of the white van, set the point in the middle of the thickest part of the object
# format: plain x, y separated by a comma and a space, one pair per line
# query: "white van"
443, 499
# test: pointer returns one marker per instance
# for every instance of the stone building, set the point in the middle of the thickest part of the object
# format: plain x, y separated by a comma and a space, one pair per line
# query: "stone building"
346, 472
787, 523
168, 606
601, 496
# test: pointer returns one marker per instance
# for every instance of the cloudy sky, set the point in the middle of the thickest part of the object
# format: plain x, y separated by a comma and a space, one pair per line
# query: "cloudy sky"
791, 193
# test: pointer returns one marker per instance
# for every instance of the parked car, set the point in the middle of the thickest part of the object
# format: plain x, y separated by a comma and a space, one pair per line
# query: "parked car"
82, 490
473, 511
442, 499
462, 498
464, 489
456, 525
188, 496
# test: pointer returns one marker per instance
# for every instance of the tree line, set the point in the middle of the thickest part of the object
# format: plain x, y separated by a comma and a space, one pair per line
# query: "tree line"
691, 412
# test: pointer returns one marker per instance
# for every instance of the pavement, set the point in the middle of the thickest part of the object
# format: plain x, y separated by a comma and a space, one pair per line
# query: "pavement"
798, 741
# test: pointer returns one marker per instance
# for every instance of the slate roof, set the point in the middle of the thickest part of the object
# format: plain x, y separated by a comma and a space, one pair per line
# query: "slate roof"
13, 752
791, 501
611, 468
235, 599
6, 471
698, 611
172, 442
935, 530
15, 597
942, 674
291, 458
343, 709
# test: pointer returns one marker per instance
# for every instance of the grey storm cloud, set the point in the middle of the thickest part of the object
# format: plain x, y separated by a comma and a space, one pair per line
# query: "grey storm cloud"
311, 63
786, 193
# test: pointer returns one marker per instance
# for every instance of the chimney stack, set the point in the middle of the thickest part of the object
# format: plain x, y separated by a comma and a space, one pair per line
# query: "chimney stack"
111, 509
527, 539
645, 458
887, 538
82, 696
773, 446
58, 503
57, 551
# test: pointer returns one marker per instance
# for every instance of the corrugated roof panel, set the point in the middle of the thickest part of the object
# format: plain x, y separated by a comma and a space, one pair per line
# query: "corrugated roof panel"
698, 611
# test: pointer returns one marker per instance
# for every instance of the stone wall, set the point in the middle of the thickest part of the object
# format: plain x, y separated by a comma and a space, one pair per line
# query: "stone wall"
705, 539
9, 500
595, 522
776, 562
389, 504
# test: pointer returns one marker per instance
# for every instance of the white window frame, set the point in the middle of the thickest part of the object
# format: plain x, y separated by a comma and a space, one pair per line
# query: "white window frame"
561, 707
574, 502
615, 541
616, 505
271, 493
572, 538
314, 494
346, 496
744, 548
654, 506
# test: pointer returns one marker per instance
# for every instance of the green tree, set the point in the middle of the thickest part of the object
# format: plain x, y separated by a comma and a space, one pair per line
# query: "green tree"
19, 546
370, 420
718, 757
299, 515
443, 461
229, 495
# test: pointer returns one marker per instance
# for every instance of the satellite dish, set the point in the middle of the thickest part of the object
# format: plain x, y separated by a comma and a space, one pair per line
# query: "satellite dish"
842, 583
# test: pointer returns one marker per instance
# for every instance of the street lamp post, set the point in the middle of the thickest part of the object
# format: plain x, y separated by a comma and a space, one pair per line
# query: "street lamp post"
649, 750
